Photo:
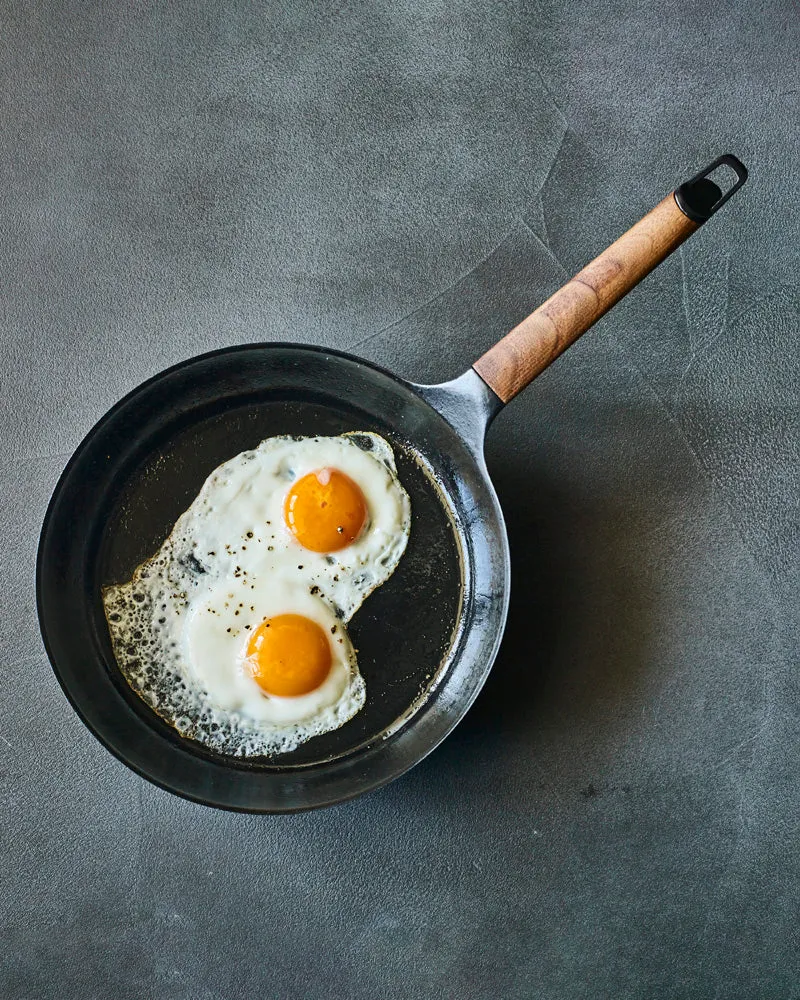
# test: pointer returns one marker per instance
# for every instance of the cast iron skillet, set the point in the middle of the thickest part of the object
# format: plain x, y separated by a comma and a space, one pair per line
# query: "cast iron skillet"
428, 637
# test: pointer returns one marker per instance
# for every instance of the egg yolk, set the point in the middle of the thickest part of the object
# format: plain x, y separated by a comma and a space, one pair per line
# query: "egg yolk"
325, 510
288, 655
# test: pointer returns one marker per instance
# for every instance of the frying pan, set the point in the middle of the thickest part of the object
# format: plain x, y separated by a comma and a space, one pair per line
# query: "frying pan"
428, 637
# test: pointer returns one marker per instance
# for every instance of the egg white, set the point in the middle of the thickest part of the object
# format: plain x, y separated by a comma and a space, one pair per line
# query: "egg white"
175, 630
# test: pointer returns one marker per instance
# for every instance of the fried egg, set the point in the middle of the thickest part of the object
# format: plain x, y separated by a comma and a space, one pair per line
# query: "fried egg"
234, 631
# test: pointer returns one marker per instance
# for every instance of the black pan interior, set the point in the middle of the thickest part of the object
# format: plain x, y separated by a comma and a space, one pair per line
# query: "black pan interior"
403, 630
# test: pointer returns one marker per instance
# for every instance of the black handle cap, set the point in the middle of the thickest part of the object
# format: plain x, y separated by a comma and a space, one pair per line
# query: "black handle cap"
699, 198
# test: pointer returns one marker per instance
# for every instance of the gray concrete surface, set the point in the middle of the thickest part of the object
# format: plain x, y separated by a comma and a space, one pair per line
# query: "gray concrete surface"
618, 815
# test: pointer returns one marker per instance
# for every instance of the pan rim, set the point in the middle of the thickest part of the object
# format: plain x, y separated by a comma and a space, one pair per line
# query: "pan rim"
209, 799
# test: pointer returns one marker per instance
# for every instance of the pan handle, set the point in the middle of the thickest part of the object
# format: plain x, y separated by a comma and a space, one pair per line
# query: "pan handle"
538, 340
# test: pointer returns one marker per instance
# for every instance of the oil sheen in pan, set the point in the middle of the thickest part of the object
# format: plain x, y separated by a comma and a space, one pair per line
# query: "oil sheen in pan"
431, 681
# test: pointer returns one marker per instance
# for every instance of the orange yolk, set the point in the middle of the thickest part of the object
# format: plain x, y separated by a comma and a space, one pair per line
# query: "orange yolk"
288, 655
325, 510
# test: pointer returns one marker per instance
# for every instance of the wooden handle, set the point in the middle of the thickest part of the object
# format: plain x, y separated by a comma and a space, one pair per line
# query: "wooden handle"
538, 340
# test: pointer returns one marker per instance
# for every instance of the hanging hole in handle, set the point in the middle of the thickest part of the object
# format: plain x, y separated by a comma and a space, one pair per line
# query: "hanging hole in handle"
724, 176
700, 197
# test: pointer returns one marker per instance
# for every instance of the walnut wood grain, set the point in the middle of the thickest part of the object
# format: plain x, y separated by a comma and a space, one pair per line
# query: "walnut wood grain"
538, 340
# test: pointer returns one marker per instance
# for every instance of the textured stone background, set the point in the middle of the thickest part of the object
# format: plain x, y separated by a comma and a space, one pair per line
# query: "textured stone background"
618, 815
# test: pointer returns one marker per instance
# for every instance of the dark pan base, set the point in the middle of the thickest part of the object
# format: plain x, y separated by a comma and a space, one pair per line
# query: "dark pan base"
426, 639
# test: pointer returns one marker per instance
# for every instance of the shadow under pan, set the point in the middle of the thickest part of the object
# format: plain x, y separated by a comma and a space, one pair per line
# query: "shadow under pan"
402, 631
